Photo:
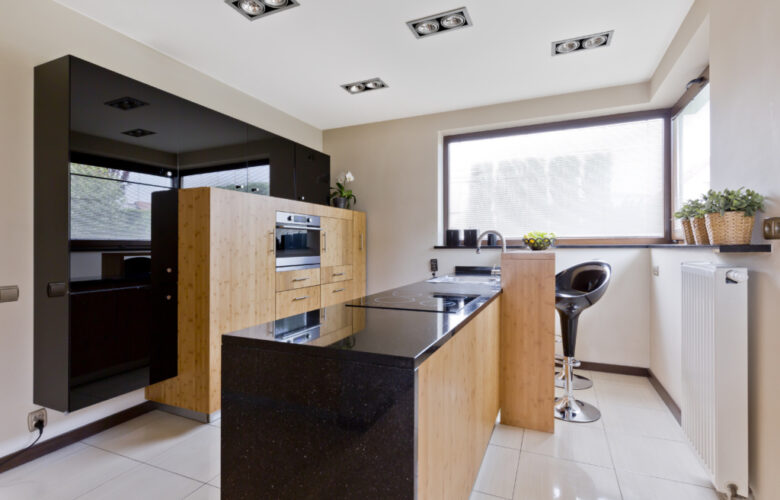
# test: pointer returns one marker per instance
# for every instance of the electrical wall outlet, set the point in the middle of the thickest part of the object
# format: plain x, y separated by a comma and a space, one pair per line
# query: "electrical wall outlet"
656, 270
434, 265
35, 416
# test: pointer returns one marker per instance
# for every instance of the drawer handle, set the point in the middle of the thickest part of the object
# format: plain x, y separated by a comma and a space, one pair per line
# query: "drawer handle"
300, 279
324, 241
301, 298
271, 241
338, 274
339, 290
361, 241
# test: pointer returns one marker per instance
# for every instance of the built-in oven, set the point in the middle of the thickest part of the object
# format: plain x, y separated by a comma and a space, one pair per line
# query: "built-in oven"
297, 329
297, 241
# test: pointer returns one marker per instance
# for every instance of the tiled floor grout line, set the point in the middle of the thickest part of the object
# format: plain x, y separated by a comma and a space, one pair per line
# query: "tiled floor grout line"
141, 462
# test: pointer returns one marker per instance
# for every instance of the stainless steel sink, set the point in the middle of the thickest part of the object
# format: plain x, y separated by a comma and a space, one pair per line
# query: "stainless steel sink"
467, 279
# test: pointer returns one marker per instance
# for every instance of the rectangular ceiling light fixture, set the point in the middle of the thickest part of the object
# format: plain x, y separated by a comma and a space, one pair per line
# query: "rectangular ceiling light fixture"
255, 9
138, 132
126, 103
582, 43
440, 23
364, 86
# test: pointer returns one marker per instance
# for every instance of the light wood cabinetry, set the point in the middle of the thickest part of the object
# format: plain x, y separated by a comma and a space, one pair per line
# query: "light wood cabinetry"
336, 242
333, 293
297, 301
289, 280
336, 273
359, 254
528, 339
458, 400
227, 281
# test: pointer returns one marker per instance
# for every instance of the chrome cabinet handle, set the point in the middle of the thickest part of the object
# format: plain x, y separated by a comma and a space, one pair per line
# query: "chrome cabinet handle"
301, 298
300, 279
361, 241
338, 274
339, 290
272, 240
324, 241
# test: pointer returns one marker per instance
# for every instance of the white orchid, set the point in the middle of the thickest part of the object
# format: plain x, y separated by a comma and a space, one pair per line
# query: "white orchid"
343, 178
340, 192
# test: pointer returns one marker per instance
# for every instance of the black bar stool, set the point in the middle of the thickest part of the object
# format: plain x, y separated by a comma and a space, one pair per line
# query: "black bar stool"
576, 289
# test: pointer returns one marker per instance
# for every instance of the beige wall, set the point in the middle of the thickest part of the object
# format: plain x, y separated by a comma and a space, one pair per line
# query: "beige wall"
745, 93
32, 33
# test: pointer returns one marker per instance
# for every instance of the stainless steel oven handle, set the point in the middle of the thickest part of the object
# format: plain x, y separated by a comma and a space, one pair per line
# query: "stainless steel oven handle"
307, 228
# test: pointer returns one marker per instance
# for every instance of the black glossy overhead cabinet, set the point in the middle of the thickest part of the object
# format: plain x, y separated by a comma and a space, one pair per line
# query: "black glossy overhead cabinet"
110, 156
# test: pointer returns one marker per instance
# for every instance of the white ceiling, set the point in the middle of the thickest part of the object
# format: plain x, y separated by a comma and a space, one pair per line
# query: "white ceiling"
296, 60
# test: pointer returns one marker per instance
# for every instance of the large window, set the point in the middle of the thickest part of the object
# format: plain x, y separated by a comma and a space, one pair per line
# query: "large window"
691, 140
590, 179
112, 204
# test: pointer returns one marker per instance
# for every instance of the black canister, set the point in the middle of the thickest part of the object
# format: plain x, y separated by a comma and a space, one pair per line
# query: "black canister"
453, 237
492, 240
470, 237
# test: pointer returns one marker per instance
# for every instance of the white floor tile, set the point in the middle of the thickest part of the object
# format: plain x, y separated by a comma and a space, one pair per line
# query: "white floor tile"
656, 457
205, 492
615, 377
540, 477
641, 422
497, 474
144, 482
477, 495
640, 487
507, 436
196, 456
146, 436
641, 395
216, 423
64, 474
579, 442
217, 481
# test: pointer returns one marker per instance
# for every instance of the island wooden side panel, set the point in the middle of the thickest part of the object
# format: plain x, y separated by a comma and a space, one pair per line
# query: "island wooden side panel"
528, 340
457, 404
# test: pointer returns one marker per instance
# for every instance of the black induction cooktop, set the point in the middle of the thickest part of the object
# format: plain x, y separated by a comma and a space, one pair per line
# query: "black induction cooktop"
412, 300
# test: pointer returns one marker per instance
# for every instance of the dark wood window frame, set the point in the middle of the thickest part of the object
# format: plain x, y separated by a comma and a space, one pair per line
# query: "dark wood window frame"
665, 114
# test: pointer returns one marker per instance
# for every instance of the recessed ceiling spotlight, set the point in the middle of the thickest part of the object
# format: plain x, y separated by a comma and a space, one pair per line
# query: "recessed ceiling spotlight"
582, 43
364, 86
126, 103
255, 9
138, 132
440, 23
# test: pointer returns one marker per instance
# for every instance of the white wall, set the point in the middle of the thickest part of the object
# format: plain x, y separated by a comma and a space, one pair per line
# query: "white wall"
32, 33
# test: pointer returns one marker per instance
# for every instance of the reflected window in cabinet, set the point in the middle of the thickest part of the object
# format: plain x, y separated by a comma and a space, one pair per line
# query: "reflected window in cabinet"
111, 203
254, 178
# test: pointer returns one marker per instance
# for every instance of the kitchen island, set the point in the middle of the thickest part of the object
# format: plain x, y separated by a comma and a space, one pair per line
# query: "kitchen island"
393, 395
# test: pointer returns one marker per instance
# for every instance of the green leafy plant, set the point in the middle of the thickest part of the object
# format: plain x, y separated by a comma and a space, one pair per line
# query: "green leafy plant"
539, 235
341, 191
691, 209
729, 200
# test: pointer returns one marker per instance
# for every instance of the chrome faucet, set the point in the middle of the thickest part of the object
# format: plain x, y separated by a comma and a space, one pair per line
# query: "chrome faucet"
489, 231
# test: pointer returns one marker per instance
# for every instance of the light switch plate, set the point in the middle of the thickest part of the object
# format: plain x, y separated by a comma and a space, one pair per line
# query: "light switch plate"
9, 293
772, 228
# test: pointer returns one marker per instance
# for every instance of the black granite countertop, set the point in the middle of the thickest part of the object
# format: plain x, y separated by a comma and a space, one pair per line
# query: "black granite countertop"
394, 337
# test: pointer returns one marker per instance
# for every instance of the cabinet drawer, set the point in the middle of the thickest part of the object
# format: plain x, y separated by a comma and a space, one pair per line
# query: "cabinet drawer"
334, 293
297, 301
290, 280
333, 274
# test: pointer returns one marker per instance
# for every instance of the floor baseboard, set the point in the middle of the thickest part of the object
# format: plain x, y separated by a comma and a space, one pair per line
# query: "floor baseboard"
661, 390
76, 435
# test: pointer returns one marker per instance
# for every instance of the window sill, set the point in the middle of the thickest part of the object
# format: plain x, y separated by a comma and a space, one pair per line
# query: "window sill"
762, 248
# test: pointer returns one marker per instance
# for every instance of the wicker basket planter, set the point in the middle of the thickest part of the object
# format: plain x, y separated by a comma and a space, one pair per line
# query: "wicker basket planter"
730, 228
699, 229
688, 232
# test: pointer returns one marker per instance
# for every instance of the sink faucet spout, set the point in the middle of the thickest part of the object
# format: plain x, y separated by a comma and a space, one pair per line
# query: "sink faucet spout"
491, 231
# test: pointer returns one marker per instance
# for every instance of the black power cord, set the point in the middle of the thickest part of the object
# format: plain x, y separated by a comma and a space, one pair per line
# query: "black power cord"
39, 426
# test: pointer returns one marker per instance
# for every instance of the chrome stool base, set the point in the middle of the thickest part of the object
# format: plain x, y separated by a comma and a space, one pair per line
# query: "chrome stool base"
569, 409
577, 381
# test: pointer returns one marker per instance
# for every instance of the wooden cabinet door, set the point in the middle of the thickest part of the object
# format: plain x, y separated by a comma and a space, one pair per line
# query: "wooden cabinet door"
359, 254
335, 242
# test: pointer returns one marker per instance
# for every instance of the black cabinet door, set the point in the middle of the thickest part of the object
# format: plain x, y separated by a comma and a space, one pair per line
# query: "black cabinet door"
271, 160
312, 175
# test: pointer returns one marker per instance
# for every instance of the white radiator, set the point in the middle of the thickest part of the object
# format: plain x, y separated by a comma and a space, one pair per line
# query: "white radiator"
714, 369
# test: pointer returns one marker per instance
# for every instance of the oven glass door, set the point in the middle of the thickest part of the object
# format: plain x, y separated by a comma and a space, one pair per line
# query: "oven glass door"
297, 246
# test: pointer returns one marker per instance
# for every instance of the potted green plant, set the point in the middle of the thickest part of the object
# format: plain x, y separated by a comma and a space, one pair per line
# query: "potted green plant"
730, 215
539, 240
696, 212
340, 196
685, 214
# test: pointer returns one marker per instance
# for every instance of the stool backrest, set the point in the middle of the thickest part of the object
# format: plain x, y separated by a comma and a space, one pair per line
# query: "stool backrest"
589, 279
